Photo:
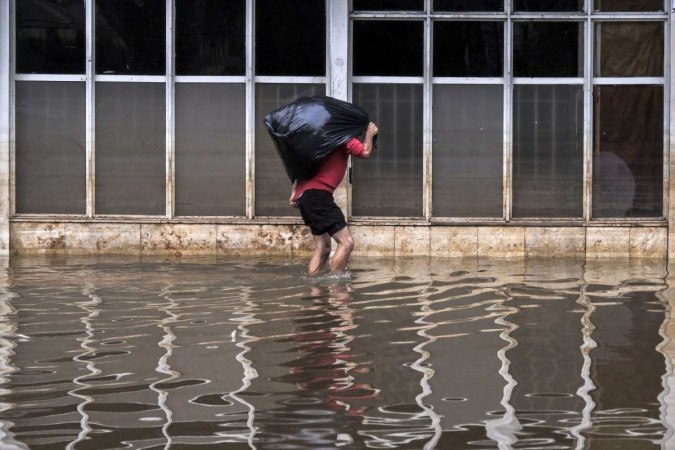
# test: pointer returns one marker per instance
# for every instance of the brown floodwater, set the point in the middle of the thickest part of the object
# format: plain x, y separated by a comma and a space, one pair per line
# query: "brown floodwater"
112, 353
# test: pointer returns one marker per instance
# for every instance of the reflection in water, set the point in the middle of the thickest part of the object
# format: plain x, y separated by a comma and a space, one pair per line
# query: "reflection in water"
414, 353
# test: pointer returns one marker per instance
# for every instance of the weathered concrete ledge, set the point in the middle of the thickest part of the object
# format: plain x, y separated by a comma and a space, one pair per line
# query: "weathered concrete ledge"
371, 240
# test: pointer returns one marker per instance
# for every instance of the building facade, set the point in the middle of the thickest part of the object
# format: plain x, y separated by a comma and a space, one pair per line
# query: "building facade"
507, 127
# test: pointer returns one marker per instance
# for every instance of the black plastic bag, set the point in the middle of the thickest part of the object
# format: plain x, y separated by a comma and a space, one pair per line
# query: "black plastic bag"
307, 130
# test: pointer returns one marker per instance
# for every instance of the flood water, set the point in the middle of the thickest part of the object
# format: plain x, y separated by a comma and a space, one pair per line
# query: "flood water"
412, 353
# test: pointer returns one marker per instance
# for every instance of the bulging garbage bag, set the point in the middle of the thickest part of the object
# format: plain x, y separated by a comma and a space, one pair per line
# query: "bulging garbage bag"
307, 130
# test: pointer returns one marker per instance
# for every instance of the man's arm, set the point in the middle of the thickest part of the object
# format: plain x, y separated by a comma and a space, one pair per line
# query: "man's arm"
371, 131
290, 200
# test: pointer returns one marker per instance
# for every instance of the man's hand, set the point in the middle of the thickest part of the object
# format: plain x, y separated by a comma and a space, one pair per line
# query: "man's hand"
372, 129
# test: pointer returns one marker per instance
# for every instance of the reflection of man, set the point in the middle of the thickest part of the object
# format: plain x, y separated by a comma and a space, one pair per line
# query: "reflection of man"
314, 197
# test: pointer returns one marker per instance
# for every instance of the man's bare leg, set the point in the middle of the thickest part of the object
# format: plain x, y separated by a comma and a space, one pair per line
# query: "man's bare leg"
345, 245
321, 254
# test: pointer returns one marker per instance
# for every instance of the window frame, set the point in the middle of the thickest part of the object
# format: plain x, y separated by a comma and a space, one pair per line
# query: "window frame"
340, 19
587, 17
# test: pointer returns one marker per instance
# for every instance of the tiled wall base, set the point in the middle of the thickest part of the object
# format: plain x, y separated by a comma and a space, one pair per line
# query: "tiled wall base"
295, 240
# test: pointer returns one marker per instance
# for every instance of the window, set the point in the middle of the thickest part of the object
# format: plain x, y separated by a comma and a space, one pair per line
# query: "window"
548, 5
210, 37
210, 149
468, 5
628, 152
468, 157
50, 147
392, 5
130, 37
548, 151
389, 183
547, 49
290, 37
130, 148
468, 49
550, 110
628, 5
50, 36
629, 49
388, 48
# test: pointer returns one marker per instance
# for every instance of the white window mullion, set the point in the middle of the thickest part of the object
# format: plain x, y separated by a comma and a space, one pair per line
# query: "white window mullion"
508, 114
588, 118
668, 126
90, 138
7, 105
427, 148
170, 110
250, 110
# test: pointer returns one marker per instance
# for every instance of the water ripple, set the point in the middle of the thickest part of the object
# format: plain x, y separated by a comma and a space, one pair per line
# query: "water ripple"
412, 353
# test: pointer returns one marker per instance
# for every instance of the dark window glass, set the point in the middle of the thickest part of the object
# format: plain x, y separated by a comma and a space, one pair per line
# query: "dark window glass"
468, 151
389, 182
130, 148
468, 49
50, 147
468, 5
210, 149
290, 37
628, 5
548, 49
130, 37
629, 49
272, 186
388, 48
548, 5
548, 156
388, 5
628, 151
50, 36
210, 37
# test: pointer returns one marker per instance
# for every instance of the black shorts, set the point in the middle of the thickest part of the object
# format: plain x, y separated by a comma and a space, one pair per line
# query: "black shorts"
320, 213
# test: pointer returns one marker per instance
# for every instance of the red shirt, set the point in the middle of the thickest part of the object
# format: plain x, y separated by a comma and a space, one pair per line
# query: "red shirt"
332, 168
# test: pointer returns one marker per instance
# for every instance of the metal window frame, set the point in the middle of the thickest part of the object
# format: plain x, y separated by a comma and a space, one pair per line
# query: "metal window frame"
587, 17
341, 28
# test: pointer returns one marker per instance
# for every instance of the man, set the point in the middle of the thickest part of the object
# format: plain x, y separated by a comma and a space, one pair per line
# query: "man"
314, 197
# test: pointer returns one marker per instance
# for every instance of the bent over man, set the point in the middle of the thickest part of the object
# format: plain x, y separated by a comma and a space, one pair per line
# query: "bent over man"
325, 220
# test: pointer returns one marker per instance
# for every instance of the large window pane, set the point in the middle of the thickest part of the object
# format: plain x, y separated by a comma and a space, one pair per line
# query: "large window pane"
50, 36
50, 147
629, 49
388, 48
210, 150
468, 49
548, 152
130, 148
468, 151
628, 151
468, 5
548, 49
272, 186
380, 5
210, 37
130, 37
290, 37
628, 5
389, 183
548, 5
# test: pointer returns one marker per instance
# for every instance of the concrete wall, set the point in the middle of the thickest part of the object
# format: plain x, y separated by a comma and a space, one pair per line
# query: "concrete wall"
371, 240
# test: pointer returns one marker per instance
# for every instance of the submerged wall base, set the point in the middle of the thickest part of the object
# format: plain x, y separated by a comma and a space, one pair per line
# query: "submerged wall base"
371, 240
